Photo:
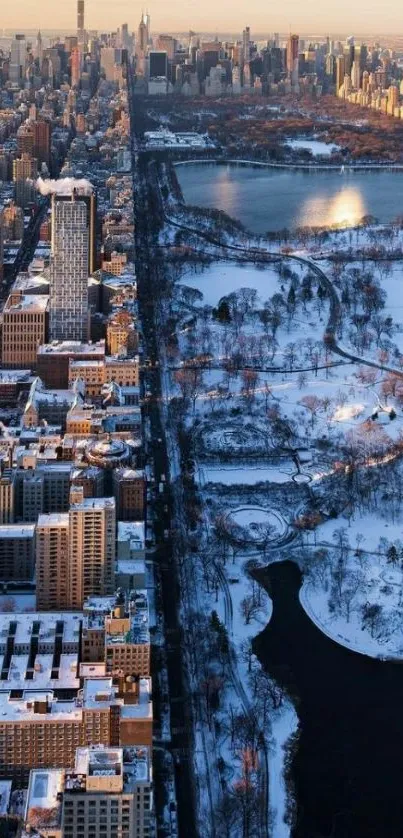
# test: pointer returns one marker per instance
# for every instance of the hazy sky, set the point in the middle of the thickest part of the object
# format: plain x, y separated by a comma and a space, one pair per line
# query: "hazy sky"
318, 16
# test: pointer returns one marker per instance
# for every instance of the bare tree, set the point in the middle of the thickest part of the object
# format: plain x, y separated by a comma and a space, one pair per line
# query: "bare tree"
249, 608
313, 404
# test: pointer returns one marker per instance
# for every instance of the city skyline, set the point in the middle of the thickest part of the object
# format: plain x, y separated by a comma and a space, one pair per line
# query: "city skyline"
311, 18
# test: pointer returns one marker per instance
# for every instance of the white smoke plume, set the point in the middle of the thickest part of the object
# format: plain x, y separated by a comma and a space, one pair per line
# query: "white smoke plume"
64, 186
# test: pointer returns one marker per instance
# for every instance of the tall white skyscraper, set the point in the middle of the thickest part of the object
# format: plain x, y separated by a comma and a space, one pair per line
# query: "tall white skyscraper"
69, 269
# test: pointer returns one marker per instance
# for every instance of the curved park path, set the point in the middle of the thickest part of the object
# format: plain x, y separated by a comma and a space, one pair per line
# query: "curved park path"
260, 255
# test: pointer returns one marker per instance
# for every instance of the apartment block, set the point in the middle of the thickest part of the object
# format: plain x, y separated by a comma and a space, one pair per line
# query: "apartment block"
92, 547
25, 326
109, 793
129, 487
17, 552
95, 374
116, 631
52, 553
53, 360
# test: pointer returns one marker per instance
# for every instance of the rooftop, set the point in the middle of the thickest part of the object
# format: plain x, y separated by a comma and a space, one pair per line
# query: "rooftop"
44, 803
53, 519
94, 503
17, 531
67, 347
28, 706
27, 303
132, 626
41, 675
41, 624
132, 531
101, 768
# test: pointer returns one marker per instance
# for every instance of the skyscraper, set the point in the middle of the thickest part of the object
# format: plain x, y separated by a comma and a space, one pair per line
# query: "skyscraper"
292, 53
340, 72
80, 23
356, 75
39, 48
142, 45
246, 44
17, 58
69, 269
75, 67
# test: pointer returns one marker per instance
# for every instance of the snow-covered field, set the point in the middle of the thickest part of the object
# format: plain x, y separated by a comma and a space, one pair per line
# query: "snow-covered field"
222, 278
318, 148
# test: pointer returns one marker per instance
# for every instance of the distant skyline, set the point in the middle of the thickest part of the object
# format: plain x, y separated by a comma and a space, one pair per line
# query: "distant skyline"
308, 17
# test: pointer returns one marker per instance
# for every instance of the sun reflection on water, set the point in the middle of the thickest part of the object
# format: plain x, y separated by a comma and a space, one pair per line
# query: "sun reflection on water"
345, 209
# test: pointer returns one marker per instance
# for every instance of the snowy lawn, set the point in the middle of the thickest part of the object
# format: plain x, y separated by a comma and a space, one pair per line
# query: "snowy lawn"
222, 278
353, 587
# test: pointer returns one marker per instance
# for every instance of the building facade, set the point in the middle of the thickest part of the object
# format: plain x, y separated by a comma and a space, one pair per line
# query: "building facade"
69, 270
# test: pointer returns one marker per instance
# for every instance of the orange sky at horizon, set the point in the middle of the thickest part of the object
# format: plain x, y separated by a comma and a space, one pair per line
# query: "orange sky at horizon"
367, 16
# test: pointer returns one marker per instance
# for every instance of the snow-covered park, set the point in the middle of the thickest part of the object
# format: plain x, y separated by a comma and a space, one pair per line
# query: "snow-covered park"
293, 451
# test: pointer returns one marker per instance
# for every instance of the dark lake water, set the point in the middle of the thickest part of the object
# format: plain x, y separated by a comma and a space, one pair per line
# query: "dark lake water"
271, 199
348, 768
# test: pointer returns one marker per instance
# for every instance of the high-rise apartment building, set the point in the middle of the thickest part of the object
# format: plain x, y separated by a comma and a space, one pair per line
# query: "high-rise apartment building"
26, 139
17, 552
42, 140
88, 197
25, 167
52, 554
92, 547
69, 269
75, 552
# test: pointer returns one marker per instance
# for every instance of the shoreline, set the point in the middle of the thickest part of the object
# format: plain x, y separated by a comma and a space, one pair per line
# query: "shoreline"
311, 167
305, 603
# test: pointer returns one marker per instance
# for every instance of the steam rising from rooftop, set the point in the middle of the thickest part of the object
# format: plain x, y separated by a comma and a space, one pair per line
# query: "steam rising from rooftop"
64, 186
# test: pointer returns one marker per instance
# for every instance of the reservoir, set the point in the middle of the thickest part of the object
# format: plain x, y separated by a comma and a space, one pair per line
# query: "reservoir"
347, 771
266, 199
